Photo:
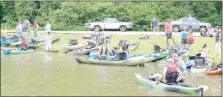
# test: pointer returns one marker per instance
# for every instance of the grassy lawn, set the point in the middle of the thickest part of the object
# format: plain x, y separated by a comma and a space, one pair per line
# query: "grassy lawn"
145, 45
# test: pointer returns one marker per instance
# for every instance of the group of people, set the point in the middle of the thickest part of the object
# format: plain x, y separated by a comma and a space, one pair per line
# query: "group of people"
121, 52
187, 37
23, 30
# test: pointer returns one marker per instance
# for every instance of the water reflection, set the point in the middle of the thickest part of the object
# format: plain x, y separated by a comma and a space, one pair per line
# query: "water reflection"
47, 69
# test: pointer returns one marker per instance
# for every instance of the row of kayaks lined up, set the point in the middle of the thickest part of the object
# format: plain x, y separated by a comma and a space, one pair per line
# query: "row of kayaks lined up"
10, 45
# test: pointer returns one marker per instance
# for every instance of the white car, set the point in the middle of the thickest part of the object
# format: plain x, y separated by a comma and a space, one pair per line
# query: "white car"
110, 24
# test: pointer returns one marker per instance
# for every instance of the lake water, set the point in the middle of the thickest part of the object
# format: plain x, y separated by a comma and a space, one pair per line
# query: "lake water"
58, 74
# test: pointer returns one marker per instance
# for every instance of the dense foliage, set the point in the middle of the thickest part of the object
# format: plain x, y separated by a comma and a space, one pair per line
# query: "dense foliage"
73, 15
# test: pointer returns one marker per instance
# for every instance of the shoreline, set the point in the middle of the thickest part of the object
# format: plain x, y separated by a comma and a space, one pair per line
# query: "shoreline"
105, 32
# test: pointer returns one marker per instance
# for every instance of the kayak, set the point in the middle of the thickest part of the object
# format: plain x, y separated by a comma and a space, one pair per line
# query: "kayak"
11, 48
83, 51
6, 41
91, 36
201, 62
143, 79
80, 44
182, 52
17, 52
55, 39
110, 63
143, 37
214, 71
35, 41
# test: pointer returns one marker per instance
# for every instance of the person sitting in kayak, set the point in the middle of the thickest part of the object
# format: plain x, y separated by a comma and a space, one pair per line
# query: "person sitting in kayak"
184, 38
23, 45
126, 44
181, 66
123, 51
171, 72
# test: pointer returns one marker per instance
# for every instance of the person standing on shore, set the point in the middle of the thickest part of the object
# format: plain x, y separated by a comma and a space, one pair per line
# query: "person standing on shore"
36, 26
155, 26
48, 28
19, 29
48, 41
168, 31
218, 42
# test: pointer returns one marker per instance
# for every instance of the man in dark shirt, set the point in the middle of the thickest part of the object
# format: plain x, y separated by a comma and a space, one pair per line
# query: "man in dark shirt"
155, 25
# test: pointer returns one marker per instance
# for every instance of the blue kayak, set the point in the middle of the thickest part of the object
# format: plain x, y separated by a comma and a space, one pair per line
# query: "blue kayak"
5, 41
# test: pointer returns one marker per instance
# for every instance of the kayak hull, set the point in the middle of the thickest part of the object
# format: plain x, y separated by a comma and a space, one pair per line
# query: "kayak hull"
80, 44
214, 72
110, 63
161, 86
83, 51
17, 52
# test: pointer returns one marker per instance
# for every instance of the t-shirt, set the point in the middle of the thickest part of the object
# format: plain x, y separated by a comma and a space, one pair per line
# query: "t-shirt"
184, 35
36, 26
154, 22
168, 28
48, 28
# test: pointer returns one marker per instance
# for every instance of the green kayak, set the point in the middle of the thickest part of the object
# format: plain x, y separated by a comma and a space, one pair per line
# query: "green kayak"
149, 57
110, 63
144, 80
17, 52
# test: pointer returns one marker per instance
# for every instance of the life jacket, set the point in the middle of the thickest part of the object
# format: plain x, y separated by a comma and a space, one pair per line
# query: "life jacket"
171, 74
184, 36
23, 44
121, 49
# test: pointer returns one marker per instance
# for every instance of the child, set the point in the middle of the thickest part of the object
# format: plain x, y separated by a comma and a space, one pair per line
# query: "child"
23, 44
184, 37
218, 41
191, 38
48, 42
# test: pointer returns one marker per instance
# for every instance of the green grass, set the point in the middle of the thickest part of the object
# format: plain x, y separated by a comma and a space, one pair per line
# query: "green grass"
145, 45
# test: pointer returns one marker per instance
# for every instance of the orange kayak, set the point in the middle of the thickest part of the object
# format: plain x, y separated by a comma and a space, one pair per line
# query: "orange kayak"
214, 72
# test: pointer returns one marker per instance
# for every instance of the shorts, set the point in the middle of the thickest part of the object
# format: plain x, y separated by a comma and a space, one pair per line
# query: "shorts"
184, 42
169, 35
155, 29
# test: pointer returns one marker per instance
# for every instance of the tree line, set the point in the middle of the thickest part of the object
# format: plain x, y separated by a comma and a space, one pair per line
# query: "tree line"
73, 15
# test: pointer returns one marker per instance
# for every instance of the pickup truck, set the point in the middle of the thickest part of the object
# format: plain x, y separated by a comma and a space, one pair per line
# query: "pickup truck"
110, 24
185, 21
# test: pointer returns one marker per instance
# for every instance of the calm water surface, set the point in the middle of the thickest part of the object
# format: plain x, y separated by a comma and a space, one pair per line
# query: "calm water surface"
59, 74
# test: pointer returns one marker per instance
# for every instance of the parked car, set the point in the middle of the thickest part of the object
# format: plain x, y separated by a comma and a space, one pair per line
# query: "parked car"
184, 22
110, 24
